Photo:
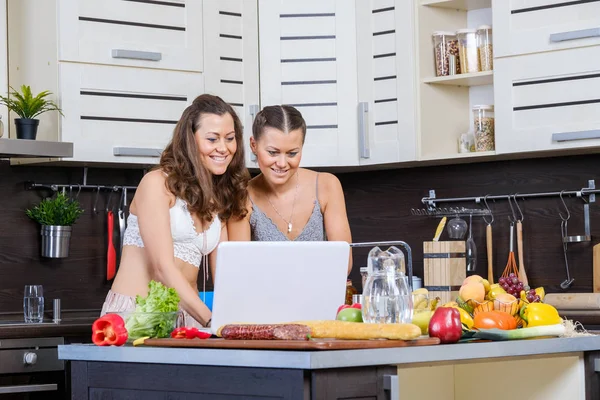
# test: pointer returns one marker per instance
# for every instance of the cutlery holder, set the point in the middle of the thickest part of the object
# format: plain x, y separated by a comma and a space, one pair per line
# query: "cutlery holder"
444, 268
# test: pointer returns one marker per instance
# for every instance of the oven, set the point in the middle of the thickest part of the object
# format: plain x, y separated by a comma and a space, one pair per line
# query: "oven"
30, 369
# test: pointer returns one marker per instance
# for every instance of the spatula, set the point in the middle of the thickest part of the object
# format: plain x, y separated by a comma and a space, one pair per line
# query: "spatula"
111, 255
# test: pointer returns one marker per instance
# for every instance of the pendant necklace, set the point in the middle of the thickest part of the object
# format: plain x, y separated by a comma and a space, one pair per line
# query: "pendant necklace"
289, 223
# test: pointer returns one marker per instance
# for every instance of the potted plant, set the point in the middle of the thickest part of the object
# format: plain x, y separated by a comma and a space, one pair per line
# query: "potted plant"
26, 106
56, 216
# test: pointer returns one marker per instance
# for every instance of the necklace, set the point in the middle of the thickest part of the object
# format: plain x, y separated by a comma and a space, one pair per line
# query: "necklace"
289, 223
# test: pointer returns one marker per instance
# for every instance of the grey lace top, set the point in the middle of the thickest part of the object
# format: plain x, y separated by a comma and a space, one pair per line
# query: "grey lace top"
264, 229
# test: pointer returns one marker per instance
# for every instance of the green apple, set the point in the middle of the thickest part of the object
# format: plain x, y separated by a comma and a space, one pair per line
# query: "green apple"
350, 314
421, 319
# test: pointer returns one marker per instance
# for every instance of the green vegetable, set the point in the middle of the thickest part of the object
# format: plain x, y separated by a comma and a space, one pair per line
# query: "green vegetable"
155, 315
522, 333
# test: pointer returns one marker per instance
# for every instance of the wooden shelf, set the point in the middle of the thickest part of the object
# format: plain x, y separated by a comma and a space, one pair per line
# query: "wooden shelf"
472, 79
465, 5
459, 155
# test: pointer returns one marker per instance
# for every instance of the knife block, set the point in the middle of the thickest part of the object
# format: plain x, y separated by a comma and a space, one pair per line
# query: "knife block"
444, 268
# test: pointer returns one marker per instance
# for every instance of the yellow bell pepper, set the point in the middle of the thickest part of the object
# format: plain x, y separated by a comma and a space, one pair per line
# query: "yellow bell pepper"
539, 314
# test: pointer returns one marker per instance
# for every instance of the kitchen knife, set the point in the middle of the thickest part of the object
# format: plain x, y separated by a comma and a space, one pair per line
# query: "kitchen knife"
111, 255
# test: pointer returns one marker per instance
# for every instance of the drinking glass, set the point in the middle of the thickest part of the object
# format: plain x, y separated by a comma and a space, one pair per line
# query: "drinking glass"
33, 304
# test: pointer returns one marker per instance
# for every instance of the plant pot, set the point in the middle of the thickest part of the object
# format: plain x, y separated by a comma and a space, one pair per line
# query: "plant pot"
26, 128
55, 241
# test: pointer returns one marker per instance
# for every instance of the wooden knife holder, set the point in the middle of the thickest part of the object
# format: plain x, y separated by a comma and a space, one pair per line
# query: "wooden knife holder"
444, 268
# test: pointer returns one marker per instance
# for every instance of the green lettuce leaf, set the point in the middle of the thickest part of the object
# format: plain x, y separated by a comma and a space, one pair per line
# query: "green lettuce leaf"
160, 300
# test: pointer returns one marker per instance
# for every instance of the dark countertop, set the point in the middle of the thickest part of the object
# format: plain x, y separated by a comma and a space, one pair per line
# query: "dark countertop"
65, 329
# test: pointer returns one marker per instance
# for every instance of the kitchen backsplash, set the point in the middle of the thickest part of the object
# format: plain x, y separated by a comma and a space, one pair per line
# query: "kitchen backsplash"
378, 204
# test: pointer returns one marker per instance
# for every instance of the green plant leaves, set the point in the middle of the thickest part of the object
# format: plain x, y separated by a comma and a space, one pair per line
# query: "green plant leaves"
25, 105
59, 210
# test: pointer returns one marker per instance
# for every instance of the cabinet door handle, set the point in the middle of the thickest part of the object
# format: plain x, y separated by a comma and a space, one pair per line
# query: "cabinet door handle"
390, 384
578, 135
363, 130
253, 109
574, 35
136, 152
28, 388
136, 55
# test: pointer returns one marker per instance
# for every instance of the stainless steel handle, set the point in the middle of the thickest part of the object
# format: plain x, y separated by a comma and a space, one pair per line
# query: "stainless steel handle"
390, 384
574, 35
28, 388
363, 130
253, 109
136, 152
577, 135
136, 55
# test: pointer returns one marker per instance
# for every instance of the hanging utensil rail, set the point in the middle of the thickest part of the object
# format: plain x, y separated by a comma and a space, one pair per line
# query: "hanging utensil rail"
78, 186
450, 212
589, 192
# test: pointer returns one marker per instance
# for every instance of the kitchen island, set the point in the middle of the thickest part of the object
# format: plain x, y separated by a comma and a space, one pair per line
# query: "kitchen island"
553, 368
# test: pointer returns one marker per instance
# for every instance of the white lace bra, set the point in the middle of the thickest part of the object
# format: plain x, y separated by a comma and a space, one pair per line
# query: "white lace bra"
188, 245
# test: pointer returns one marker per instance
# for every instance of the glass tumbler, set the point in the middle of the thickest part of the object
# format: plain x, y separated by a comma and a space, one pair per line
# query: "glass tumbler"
33, 304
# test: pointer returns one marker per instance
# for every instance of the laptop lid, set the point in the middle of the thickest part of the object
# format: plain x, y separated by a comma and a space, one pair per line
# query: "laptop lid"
278, 282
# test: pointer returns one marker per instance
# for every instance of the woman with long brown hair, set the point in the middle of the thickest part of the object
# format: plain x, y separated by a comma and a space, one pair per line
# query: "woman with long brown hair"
179, 213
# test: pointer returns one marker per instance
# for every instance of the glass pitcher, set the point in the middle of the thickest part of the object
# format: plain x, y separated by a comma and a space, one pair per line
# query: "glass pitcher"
387, 296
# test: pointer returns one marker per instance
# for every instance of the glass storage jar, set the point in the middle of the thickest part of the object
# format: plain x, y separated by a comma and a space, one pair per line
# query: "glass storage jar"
445, 45
485, 47
483, 117
467, 50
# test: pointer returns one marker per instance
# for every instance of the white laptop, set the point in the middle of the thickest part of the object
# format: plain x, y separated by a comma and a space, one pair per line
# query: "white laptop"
278, 282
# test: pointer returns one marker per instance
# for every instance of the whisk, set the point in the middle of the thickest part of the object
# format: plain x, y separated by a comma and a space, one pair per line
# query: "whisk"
511, 264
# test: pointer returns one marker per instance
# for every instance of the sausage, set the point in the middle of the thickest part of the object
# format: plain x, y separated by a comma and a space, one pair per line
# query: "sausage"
266, 332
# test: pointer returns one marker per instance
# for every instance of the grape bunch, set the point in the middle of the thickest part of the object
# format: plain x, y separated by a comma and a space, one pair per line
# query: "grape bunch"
511, 284
533, 297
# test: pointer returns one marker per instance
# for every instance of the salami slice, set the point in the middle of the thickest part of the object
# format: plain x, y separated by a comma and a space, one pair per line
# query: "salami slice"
266, 332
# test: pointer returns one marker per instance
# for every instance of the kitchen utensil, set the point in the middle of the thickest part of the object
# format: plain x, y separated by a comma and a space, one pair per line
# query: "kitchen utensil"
457, 228
522, 273
511, 264
573, 301
488, 242
471, 249
121, 215
440, 229
111, 255
564, 238
596, 268
313, 344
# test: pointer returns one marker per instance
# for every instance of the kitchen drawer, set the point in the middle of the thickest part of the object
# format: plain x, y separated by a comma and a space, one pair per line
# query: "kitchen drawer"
151, 34
120, 114
548, 101
531, 26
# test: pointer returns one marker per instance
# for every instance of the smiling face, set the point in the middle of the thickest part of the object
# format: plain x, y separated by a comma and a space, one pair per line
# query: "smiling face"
278, 154
216, 142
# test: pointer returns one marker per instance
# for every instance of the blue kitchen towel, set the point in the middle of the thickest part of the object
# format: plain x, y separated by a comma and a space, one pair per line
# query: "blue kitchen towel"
207, 298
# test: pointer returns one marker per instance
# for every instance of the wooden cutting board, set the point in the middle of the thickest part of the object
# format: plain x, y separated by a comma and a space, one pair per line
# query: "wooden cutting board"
313, 344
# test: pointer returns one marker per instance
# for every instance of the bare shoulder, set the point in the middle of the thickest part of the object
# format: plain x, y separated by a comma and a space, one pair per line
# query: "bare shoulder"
329, 183
153, 185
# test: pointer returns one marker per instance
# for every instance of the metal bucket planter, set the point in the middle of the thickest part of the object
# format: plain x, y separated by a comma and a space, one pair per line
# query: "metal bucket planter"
55, 241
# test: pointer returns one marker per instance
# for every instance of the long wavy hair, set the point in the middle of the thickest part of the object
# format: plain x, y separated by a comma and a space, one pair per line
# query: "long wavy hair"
188, 179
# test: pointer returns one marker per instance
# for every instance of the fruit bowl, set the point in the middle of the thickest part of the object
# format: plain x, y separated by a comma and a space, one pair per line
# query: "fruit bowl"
151, 324
512, 307
486, 305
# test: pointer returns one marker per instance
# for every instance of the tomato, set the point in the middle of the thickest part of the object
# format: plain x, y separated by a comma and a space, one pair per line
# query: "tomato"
494, 319
350, 314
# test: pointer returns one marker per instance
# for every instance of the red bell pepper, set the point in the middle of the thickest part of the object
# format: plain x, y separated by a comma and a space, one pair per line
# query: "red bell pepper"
189, 333
109, 330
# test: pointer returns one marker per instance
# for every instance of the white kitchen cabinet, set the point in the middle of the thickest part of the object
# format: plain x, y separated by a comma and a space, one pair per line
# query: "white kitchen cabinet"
548, 101
308, 60
531, 26
120, 114
231, 60
386, 81
150, 34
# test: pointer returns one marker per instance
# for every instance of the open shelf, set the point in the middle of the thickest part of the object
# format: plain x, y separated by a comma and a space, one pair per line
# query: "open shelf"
472, 79
459, 155
465, 5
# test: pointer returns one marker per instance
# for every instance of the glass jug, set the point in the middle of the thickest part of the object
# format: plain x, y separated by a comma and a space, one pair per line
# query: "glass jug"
387, 297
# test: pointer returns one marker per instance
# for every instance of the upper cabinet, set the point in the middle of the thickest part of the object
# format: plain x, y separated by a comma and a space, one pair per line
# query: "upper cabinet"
231, 58
531, 26
122, 71
149, 34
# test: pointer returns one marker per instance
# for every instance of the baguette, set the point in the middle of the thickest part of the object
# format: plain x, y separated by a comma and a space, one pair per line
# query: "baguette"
358, 330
